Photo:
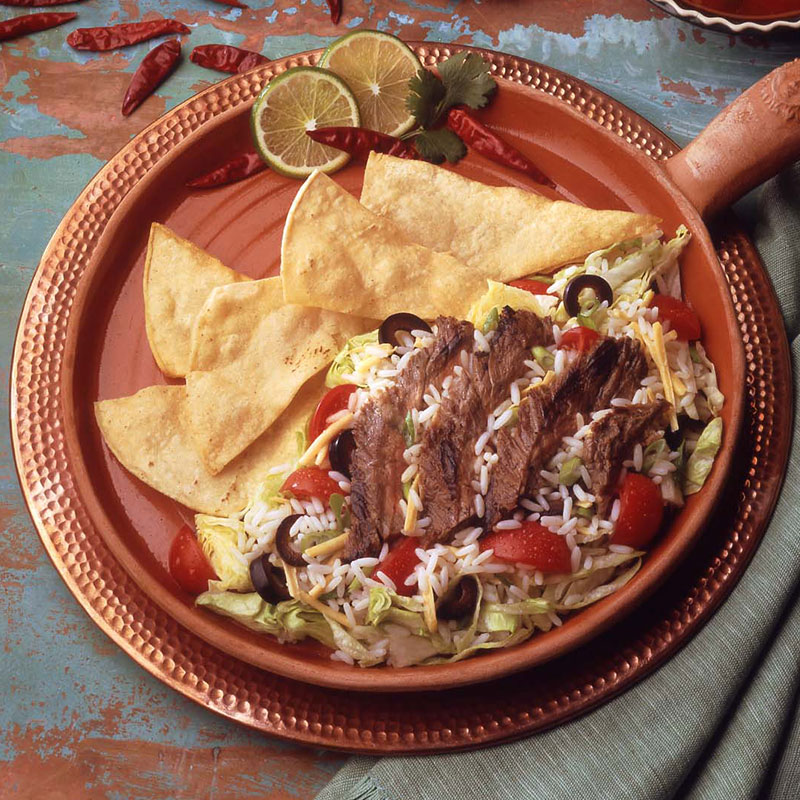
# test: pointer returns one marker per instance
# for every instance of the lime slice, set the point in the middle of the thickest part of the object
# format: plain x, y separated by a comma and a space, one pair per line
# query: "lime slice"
300, 100
377, 67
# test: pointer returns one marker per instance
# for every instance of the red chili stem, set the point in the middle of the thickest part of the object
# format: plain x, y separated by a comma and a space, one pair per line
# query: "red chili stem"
335, 7
151, 73
237, 169
360, 141
110, 37
36, 3
226, 58
234, 3
31, 23
477, 136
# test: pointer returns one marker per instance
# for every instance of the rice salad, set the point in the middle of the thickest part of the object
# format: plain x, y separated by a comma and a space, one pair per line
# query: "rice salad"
357, 608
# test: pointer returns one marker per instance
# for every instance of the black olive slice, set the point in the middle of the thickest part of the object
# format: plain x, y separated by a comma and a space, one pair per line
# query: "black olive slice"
461, 600
340, 452
387, 333
268, 580
283, 543
674, 438
600, 286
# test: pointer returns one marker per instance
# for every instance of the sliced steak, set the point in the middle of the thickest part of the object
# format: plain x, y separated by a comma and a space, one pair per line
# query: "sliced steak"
614, 368
612, 440
447, 455
378, 464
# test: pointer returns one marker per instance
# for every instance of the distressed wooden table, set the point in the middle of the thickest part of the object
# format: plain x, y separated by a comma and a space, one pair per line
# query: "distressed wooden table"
79, 720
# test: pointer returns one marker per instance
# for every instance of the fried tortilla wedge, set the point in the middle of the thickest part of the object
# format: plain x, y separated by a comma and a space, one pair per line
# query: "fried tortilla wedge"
338, 255
178, 276
504, 232
147, 433
251, 353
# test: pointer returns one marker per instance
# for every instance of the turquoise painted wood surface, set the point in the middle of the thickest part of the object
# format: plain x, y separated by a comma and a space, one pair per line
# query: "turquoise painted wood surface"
80, 720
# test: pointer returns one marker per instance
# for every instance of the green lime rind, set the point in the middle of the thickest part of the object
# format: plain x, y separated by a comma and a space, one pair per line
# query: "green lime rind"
301, 168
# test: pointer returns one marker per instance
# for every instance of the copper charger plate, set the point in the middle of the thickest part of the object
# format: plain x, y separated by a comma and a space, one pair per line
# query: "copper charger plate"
44, 424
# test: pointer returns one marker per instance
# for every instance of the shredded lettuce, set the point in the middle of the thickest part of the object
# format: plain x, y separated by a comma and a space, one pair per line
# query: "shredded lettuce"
543, 357
698, 466
270, 491
570, 471
347, 642
219, 538
653, 452
343, 362
249, 609
578, 596
496, 617
380, 601
290, 618
405, 649
711, 390
634, 264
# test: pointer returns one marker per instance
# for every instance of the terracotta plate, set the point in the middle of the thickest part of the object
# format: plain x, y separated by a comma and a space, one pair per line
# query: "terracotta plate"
737, 16
82, 336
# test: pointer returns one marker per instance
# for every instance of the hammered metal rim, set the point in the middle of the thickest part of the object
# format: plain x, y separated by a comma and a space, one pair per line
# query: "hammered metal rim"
280, 706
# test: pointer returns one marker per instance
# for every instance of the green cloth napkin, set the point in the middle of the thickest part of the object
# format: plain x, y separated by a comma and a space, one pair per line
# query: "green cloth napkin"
719, 720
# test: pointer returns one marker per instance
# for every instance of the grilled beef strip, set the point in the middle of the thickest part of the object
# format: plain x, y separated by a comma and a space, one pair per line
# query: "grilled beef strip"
612, 439
613, 368
378, 464
447, 455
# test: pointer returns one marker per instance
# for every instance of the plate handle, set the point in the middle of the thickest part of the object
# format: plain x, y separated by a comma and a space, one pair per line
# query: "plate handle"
750, 141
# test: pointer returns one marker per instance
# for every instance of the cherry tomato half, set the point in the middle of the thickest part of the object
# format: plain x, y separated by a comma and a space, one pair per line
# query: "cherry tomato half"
531, 544
400, 563
581, 339
188, 564
332, 402
308, 482
641, 509
680, 316
534, 287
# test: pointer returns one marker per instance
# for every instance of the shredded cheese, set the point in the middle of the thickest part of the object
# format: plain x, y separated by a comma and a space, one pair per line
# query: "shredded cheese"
679, 386
324, 439
412, 513
549, 377
327, 611
429, 609
291, 580
317, 589
326, 548
658, 352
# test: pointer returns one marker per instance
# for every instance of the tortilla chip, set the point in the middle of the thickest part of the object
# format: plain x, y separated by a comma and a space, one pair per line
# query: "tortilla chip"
147, 434
504, 232
338, 255
251, 353
178, 276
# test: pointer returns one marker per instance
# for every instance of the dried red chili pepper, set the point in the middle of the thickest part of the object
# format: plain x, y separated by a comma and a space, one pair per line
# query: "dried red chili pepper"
111, 37
31, 23
335, 7
491, 146
234, 3
36, 3
151, 73
360, 141
226, 58
237, 169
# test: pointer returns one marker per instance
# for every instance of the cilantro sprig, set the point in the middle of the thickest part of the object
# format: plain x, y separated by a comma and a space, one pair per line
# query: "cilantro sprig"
464, 79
